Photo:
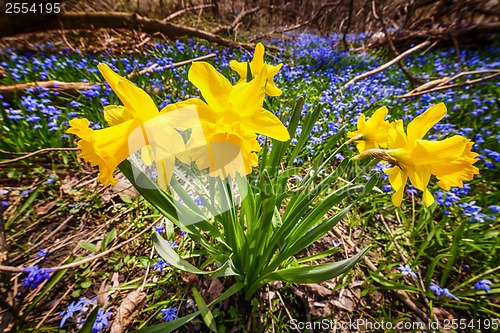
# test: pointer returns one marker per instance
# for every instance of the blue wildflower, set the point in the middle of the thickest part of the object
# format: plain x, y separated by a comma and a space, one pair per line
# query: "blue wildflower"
101, 321
159, 228
494, 208
74, 307
173, 244
435, 289
51, 180
482, 284
406, 270
160, 265
169, 314
36, 275
5, 203
448, 294
42, 253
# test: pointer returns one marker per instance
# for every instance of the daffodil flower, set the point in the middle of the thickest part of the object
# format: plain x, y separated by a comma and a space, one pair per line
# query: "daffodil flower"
450, 160
136, 125
226, 142
371, 133
256, 66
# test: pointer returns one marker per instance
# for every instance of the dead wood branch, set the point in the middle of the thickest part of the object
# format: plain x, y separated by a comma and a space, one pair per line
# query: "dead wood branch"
443, 83
70, 88
41, 151
387, 64
105, 20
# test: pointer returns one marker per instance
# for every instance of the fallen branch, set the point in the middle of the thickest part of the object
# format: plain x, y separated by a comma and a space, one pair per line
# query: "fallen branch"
71, 88
155, 67
98, 20
387, 64
443, 83
41, 151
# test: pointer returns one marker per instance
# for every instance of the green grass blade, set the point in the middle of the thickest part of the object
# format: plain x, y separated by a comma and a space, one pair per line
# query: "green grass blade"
172, 325
89, 322
308, 274
206, 314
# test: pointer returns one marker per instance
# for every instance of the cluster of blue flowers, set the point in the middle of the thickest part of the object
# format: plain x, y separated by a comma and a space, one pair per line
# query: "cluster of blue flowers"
78, 310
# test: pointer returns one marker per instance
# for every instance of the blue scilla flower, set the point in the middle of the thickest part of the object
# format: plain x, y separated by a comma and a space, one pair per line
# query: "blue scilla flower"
406, 270
160, 265
5, 203
169, 314
159, 228
470, 209
482, 285
435, 289
36, 276
101, 321
42, 253
173, 244
386, 188
73, 308
51, 180
448, 294
494, 208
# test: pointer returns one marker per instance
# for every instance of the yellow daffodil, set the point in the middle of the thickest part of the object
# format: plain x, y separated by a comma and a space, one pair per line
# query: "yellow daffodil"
136, 125
256, 66
371, 133
226, 142
450, 160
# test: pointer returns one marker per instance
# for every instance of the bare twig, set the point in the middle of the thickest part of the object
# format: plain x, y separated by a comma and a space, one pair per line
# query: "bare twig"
386, 65
155, 67
185, 10
442, 84
41, 151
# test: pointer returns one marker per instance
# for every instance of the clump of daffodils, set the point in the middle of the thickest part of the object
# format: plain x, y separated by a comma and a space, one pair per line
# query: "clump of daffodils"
224, 126
411, 156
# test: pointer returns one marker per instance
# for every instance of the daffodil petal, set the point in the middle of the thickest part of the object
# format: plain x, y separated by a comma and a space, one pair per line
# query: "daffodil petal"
437, 152
165, 169
248, 97
116, 114
271, 89
187, 114
257, 62
268, 124
106, 147
397, 179
419, 126
214, 87
136, 100
240, 68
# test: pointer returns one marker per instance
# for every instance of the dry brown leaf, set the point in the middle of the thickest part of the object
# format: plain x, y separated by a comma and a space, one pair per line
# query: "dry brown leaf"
189, 278
68, 184
44, 209
214, 291
122, 188
317, 289
129, 308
